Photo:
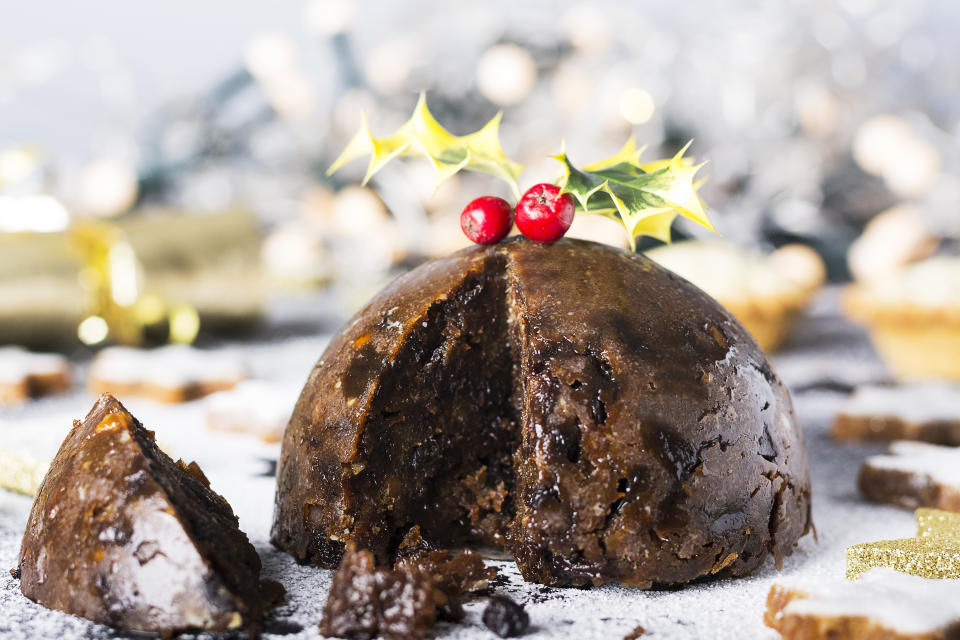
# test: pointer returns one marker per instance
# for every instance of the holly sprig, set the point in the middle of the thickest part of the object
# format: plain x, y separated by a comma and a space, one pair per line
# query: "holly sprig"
645, 197
422, 135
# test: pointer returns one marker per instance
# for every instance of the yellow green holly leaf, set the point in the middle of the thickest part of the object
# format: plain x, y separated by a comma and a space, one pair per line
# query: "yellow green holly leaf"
423, 136
644, 197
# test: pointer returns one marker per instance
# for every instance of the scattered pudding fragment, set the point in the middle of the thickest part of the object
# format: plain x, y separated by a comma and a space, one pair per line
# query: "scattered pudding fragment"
400, 603
913, 474
121, 534
929, 412
174, 373
933, 553
883, 604
25, 375
505, 617
453, 574
591, 413
21, 473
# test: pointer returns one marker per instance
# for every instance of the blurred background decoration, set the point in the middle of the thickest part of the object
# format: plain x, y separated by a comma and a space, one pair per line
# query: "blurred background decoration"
162, 166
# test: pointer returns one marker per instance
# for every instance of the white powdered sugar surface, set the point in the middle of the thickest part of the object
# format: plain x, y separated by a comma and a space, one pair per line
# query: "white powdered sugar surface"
239, 467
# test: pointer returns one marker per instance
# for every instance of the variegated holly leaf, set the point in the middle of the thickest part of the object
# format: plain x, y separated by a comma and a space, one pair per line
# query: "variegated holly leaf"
423, 136
644, 197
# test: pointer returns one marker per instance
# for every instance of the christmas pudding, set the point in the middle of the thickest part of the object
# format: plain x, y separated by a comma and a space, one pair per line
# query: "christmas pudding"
578, 406
121, 534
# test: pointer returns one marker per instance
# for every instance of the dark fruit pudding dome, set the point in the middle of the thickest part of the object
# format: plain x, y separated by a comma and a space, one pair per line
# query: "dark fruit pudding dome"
577, 406
590, 413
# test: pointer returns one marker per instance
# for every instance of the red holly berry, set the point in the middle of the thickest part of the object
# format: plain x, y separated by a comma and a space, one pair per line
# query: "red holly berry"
544, 214
487, 220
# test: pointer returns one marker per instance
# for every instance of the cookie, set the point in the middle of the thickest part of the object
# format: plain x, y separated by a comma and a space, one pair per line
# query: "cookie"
173, 373
933, 553
254, 407
913, 474
927, 412
25, 375
883, 604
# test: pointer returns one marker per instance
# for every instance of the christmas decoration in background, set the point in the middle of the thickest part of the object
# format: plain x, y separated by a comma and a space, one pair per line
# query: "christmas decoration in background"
814, 117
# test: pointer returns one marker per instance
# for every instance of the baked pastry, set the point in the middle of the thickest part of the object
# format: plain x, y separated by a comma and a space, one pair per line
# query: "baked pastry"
929, 412
883, 605
122, 535
913, 474
765, 293
913, 318
25, 375
174, 373
594, 414
890, 241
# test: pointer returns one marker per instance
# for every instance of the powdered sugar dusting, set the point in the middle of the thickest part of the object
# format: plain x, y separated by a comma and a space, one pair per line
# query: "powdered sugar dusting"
238, 467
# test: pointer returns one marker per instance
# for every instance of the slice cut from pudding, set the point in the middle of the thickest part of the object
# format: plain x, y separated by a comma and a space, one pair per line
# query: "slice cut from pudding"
121, 534
579, 406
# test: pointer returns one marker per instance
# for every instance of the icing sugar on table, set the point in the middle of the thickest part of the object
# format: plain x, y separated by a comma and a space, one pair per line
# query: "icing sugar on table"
239, 467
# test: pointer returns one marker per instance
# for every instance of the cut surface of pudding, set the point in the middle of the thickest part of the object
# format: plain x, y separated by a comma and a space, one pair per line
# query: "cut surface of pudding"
121, 534
589, 412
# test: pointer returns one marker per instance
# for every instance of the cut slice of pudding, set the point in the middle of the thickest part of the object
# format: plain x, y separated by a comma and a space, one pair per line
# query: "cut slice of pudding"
121, 534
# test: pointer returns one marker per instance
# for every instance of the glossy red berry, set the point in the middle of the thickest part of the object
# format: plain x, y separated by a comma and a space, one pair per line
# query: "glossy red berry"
487, 220
544, 214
